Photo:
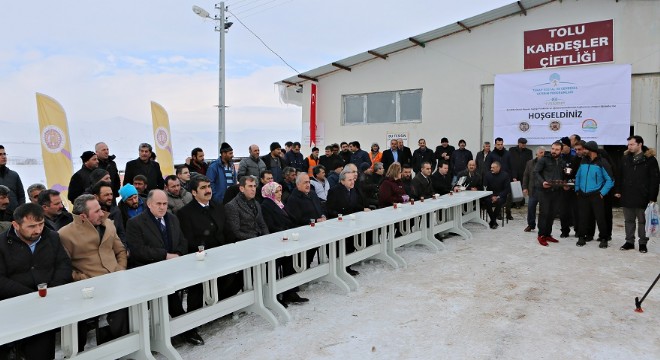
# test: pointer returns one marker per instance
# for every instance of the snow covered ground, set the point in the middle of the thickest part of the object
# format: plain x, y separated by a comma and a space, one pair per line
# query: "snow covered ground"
499, 295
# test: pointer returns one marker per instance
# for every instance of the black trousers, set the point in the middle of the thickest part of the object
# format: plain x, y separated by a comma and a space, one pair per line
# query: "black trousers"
592, 207
35, 347
567, 209
493, 208
117, 325
228, 286
549, 204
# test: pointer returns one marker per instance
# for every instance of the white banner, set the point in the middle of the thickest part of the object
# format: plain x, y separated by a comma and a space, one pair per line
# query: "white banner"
545, 105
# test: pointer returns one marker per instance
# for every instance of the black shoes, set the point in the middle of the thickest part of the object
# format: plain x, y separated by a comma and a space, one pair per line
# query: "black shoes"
564, 235
627, 246
603, 243
581, 242
509, 217
642, 248
192, 337
529, 228
293, 298
493, 225
439, 237
352, 272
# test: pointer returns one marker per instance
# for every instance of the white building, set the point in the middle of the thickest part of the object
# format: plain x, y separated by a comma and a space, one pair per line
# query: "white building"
440, 83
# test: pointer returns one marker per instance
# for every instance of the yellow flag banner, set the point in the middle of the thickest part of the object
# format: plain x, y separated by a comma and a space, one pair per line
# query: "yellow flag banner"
162, 138
55, 144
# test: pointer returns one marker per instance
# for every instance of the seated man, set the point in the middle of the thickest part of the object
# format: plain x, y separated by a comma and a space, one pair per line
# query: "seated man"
320, 183
472, 179
498, 182
422, 181
102, 191
95, 249
33, 192
203, 223
30, 255
131, 205
244, 219
55, 214
155, 235
441, 179
304, 205
177, 196
141, 184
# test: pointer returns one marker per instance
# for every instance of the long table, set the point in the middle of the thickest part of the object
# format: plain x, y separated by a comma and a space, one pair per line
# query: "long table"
144, 290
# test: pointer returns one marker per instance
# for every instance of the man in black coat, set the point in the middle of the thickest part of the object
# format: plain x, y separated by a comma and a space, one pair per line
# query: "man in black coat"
459, 158
11, 180
422, 181
31, 254
203, 224
637, 186
422, 155
155, 235
498, 182
391, 155
55, 215
441, 179
405, 155
143, 165
443, 151
502, 156
81, 179
304, 205
520, 155
549, 170
107, 163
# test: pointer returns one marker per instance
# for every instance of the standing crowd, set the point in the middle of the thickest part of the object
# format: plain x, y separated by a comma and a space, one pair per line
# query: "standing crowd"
149, 218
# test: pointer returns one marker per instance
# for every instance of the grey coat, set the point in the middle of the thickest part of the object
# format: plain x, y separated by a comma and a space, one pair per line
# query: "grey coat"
175, 203
244, 218
249, 166
529, 180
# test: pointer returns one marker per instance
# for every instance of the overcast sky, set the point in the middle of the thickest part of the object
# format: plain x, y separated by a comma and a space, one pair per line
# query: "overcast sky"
104, 59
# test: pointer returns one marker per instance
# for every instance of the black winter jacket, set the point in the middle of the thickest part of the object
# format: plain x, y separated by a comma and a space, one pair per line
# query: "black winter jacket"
638, 179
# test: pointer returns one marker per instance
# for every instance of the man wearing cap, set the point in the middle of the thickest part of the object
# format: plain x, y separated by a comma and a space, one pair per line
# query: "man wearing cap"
443, 151
274, 162
592, 182
144, 165
637, 187
12, 181
568, 198
131, 205
421, 155
222, 173
80, 180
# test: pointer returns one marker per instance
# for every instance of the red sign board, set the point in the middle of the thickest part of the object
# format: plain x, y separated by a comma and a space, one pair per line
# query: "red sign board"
569, 45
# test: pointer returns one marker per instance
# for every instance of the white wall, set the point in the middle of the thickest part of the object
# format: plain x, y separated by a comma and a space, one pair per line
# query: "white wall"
452, 70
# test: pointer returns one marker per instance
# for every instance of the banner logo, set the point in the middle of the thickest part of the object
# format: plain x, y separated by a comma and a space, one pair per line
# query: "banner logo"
554, 125
589, 125
52, 137
162, 138
523, 126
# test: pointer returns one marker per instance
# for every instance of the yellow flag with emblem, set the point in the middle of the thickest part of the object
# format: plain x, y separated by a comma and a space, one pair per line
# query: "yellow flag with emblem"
55, 144
162, 138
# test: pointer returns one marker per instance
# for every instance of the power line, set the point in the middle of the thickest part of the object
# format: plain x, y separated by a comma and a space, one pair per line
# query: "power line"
264, 43
266, 9
255, 2
240, 12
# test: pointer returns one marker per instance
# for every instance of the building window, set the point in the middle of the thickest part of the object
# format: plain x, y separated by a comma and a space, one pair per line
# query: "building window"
383, 107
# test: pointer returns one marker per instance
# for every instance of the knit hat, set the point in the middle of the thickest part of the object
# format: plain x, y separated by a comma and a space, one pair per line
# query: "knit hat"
87, 155
225, 147
444, 140
127, 191
566, 141
275, 145
522, 140
591, 146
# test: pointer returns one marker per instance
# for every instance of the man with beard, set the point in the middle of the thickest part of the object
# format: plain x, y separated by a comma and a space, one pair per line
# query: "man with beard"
102, 191
81, 179
244, 218
443, 151
203, 224
422, 185
345, 153
195, 163
406, 179
55, 216
405, 155
330, 158
274, 161
320, 183
568, 197
95, 250
5, 216
30, 255
131, 205
391, 155
548, 172
12, 181
504, 158
265, 177
460, 158
222, 173
421, 155
144, 165
251, 165
441, 179
107, 162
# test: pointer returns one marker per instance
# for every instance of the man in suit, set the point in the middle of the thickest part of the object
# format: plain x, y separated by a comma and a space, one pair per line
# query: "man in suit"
203, 223
304, 205
144, 165
405, 158
391, 155
244, 218
422, 181
155, 235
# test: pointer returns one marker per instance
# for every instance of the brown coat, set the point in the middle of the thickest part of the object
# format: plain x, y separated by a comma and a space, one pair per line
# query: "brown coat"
89, 256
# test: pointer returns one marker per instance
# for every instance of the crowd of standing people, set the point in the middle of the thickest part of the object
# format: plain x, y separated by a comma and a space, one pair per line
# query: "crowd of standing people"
146, 218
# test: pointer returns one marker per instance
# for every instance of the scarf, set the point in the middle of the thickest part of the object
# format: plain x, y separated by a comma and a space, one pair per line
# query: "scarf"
268, 192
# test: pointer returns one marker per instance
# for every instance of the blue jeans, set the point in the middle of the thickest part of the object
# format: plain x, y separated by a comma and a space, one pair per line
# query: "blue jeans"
532, 201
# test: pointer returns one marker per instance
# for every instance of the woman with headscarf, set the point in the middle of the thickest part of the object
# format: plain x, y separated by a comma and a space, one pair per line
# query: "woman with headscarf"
277, 219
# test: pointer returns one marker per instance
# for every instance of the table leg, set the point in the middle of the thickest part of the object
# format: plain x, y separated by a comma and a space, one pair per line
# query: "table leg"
138, 317
341, 266
332, 276
69, 340
270, 293
458, 223
477, 217
160, 329
388, 241
258, 307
